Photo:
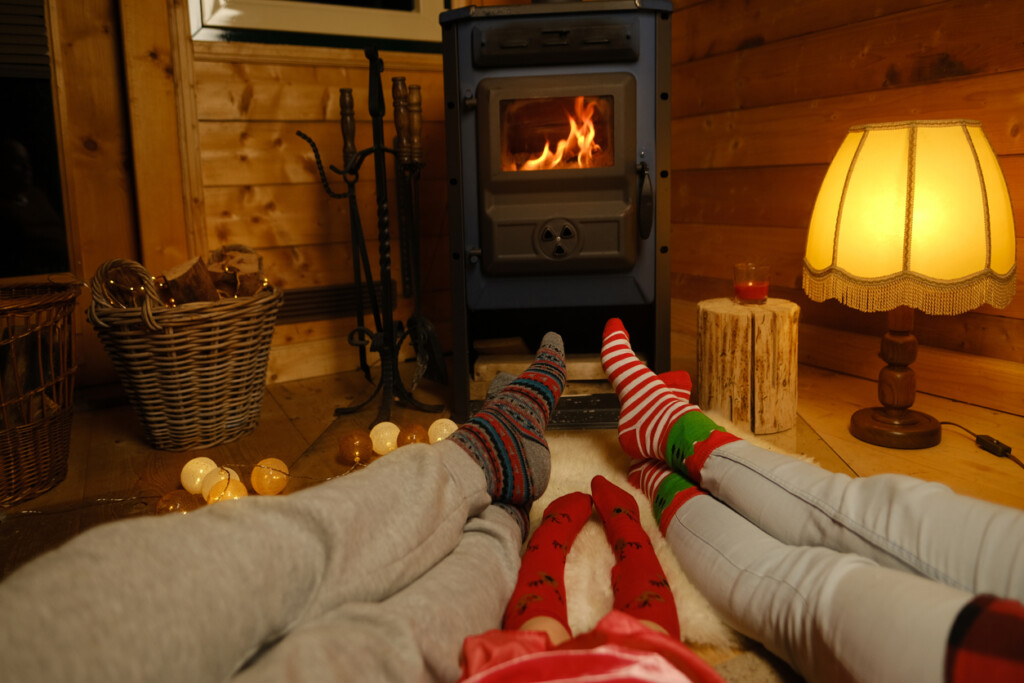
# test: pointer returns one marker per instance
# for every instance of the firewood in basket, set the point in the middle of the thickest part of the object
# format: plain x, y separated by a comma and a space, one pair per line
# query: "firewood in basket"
236, 273
190, 282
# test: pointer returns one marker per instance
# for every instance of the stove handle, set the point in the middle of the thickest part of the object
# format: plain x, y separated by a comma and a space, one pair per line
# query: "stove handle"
645, 201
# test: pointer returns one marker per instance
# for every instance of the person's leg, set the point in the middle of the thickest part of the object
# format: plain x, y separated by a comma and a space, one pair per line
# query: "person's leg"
639, 585
897, 521
832, 616
539, 597
415, 635
192, 598
507, 434
648, 406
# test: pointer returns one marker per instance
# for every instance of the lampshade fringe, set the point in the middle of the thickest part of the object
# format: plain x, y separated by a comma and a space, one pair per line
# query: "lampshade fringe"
934, 297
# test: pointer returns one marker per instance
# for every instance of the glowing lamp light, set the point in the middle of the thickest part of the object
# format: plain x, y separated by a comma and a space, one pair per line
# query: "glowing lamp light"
910, 215
269, 477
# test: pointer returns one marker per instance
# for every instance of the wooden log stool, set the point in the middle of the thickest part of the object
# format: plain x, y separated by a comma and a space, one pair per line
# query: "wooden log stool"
747, 362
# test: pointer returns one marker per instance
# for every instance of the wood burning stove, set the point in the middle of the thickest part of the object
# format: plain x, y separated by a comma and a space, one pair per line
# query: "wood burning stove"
557, 123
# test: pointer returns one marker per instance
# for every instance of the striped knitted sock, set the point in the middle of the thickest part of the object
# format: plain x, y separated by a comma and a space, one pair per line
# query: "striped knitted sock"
666, 488
678, 382
506, 437
648, 407
539, 589
690, 442
639, 585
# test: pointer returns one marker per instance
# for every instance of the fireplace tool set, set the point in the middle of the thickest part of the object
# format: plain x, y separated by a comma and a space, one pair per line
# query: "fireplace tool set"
388, 335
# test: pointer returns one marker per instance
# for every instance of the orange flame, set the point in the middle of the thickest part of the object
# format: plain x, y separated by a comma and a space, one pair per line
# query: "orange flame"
579, 143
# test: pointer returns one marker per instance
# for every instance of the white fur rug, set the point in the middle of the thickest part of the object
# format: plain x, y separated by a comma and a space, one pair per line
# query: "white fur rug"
576, 457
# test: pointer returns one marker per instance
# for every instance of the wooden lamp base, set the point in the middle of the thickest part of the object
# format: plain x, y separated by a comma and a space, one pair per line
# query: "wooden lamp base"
894, 425
909, 429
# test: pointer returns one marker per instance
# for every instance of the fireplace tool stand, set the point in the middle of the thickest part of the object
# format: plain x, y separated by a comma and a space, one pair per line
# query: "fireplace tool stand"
388, 335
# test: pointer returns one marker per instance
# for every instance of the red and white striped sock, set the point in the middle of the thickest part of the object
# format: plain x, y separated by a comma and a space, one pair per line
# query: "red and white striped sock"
648, 407
678, 382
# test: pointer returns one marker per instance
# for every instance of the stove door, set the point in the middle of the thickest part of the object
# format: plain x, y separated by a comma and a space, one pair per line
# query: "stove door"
559, 180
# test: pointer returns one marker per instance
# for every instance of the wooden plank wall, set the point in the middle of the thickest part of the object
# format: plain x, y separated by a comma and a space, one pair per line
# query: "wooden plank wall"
261, 186
764, 92
92, 134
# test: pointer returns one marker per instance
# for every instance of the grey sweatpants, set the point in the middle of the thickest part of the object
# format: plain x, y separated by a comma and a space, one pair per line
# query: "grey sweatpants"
377, 576
846, 579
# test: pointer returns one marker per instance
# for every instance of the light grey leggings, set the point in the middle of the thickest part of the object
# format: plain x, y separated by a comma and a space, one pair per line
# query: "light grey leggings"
846, 579
377, 576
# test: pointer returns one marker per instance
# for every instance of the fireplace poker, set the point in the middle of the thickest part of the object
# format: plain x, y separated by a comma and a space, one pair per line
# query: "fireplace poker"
424, 336
400, 97
388, 337
386, 341
348, 135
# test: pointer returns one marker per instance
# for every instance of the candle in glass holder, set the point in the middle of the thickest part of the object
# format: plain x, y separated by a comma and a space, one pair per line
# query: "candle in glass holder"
750, 282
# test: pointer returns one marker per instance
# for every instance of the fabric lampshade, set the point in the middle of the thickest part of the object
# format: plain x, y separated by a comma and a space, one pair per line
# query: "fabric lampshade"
914, 214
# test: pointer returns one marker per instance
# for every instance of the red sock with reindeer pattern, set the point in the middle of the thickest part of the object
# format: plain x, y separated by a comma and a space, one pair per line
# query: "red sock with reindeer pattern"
539, 589
639, 585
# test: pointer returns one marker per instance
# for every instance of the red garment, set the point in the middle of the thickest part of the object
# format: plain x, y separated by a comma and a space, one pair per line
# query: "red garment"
987, 642
620, 648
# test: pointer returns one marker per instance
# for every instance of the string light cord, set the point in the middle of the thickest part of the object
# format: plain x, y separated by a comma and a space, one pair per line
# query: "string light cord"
147, 500
989, 443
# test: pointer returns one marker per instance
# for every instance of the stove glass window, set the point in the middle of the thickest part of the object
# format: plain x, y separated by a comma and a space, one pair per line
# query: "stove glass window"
546, 133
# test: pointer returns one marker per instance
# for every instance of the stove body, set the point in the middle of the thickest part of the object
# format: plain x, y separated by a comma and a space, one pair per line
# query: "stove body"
557, 123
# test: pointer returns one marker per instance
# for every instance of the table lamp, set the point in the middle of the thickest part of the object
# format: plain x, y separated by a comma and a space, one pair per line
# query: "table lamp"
910, 215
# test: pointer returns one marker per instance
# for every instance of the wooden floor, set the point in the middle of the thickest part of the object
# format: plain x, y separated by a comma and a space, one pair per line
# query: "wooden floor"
114, 474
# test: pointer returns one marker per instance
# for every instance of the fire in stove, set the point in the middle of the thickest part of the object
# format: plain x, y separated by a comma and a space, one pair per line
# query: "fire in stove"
584, 124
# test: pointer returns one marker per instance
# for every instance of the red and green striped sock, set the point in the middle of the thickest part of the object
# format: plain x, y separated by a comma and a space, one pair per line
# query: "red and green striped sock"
666, 488
639, 585
539, 589
656, 419
648, 406
691, 440
506, 437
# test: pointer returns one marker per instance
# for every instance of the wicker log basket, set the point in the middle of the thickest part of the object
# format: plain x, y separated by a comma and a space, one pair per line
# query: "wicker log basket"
194, 373
37, 369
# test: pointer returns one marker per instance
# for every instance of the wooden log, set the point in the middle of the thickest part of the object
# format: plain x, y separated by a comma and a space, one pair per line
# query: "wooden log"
747, 362
190, 281
236, 271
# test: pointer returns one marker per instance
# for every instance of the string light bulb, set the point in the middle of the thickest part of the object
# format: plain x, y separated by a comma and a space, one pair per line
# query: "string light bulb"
441, 429
384, 436
231, 488
178, 501
414, 433
269, 477
355, 447
216, 476
194, 471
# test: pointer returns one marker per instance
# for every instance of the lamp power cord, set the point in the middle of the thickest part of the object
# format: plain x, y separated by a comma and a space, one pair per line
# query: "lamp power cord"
989, 443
